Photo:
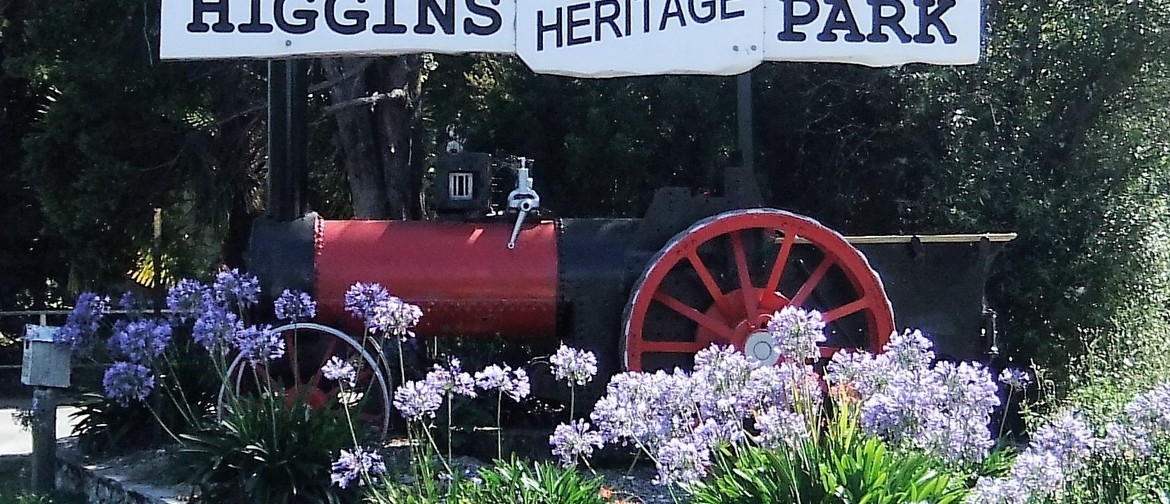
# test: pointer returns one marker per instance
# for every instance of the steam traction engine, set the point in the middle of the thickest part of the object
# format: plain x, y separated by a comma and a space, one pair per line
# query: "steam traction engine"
642, 294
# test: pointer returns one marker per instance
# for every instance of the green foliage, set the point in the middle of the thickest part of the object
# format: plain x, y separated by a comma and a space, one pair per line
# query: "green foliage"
266, 451
104, 426
1128, 480
508, 482
839, 465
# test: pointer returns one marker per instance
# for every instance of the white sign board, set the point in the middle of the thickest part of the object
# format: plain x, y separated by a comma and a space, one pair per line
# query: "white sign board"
874, 32
606, 38
586, 38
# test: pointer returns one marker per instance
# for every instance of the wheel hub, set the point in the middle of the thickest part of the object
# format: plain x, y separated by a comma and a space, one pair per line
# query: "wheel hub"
762, 347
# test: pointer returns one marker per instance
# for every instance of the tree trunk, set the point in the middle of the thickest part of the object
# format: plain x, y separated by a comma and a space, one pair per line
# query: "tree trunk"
377, 105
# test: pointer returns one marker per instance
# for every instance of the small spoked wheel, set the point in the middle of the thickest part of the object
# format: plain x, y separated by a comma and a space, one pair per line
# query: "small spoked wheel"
721, 280
298, 374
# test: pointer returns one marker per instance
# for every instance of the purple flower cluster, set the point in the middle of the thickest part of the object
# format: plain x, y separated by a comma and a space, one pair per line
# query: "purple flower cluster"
576, 366
418, 400
513, 382
215, 328
340, 371
382, 312
909, 401
140, 341
1058, 450
797, 332
574, 441
1017, 379
233, 287
127, 382
451, 380
188, 298
362, 298
258, 344
360, 464
83, 322
679, 418
295, 305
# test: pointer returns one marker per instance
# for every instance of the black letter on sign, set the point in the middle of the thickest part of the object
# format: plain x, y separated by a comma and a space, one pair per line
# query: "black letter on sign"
541, 28
925, 21
849, 24
706, 17
309, 17
609, 19
892, 21
726, 14
667, 14
358, 17
389, 25
574, 23
445, 16
255, 26
494, 20
201, 7
791, 20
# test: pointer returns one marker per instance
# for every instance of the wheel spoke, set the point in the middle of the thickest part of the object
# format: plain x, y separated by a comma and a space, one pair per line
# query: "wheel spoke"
708, 280
710, 323
845, 310
811, 283
687, 347
781, 261
745, 280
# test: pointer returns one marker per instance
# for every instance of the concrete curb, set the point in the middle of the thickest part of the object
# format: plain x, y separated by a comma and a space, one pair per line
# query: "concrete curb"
103, 485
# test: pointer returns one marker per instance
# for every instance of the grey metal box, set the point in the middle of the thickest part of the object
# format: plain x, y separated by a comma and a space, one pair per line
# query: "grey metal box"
45, 364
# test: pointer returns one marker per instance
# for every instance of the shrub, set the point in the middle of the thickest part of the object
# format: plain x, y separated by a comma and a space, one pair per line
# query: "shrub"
267, 451
508, 482
836, 465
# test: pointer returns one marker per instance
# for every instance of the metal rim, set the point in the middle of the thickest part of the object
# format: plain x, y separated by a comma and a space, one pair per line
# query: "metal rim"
733, 314
372, 372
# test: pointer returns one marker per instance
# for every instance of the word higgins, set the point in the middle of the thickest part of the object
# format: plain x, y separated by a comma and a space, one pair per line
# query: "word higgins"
479, 17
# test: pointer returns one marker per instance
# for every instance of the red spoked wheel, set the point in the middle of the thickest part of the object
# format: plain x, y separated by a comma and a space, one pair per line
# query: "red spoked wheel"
721, 280
298, 375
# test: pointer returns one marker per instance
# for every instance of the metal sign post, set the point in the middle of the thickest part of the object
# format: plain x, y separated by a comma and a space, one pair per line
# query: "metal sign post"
45, 365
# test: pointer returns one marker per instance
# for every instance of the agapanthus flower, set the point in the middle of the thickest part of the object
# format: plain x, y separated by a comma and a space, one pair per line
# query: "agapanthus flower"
82, 324
187, 298
574, 441
140, 341
295, 305
234, 287
1150, 411
1015, 378
340, 371
362, 298
493, 377
417, 400
796, 333
576, 366
681, 462
360, 464
910, 351
1068, 438
127, 382
519, 386
258, 344
216, 327
452, 379
395, 316
780, 428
